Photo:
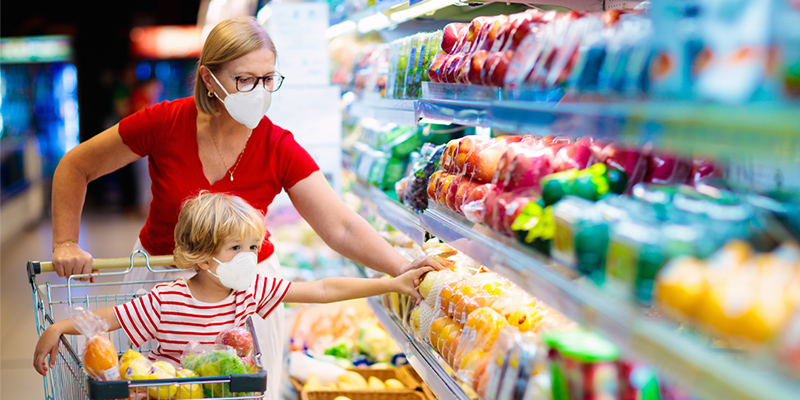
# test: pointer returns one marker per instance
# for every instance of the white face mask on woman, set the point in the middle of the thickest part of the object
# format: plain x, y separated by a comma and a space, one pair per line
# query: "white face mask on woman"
247, 108
238, 273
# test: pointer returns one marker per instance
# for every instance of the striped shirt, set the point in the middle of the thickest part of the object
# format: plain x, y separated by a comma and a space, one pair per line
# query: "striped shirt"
173, 317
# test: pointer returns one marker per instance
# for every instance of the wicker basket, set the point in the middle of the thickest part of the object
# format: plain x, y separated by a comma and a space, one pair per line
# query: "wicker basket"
389, 394
412, 375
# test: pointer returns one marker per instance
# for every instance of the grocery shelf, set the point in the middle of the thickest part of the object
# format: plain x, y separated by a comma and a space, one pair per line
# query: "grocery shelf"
766, 131
703, 370
400, 112
420, 355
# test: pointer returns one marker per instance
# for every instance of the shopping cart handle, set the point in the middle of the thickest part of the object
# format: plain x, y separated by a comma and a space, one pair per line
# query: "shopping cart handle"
40, 267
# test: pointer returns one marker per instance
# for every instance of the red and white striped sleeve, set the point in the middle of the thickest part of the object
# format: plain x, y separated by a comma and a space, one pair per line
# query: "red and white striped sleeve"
269, 293
139, 317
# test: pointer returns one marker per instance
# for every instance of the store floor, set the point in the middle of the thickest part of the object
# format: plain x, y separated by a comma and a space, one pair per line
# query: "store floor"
103, 235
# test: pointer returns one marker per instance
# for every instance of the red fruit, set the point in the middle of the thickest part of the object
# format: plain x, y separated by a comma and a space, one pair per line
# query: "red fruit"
451, 68
573, 156
238, 338
702, 169
464, 188
250, 365
500, 68
435, 69
476, 65
452, 34
666, 168
481, 164
452, 190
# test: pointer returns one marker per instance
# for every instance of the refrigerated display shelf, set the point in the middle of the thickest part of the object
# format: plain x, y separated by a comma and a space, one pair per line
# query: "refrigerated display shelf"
704, 370
765, 131
420, 355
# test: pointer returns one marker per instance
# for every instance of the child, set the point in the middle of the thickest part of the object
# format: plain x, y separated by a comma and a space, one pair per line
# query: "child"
218, 236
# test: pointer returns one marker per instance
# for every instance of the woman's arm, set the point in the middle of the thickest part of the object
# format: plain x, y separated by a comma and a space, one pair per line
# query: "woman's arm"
51, 338
92, 159
345, 231
330, 290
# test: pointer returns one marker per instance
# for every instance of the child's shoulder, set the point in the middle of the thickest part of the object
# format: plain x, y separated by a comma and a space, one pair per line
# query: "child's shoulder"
178, 285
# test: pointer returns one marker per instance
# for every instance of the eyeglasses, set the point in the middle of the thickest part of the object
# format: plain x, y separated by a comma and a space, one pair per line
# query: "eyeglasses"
246, 83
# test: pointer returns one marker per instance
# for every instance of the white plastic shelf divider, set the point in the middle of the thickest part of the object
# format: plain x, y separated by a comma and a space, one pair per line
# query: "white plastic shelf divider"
400, 112
420, 355
706, 372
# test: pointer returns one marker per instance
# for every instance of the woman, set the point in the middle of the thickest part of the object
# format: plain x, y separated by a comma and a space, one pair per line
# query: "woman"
218, 140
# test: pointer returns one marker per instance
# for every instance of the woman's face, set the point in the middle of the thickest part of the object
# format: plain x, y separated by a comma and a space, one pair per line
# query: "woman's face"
260, 62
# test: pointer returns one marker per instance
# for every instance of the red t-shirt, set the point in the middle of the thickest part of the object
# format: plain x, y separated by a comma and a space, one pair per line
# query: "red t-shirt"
167, 134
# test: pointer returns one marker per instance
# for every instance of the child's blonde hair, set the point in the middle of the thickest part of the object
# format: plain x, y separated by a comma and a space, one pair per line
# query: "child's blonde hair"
207, 221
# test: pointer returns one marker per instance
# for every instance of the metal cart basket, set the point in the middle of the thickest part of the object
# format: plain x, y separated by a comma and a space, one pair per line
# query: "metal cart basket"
68, 380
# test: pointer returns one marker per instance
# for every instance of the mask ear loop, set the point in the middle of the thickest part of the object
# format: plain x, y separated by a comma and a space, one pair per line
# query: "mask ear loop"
220, 85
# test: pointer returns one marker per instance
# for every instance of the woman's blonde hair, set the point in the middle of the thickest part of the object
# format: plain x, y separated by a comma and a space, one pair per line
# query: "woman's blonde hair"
207, 221
229, 40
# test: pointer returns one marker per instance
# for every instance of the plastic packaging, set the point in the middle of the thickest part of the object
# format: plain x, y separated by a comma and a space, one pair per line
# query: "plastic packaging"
582, 366
213, 360
239, 338
99, 355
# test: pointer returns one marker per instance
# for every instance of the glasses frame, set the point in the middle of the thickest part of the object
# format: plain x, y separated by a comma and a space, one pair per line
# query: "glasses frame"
262, 79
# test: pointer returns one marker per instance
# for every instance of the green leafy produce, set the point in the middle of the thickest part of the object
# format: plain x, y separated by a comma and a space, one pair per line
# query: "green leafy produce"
216, 363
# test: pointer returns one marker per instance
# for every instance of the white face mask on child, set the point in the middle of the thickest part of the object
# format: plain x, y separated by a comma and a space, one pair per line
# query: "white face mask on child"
238, 273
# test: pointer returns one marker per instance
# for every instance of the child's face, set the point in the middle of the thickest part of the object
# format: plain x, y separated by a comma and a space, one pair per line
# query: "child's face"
233, 246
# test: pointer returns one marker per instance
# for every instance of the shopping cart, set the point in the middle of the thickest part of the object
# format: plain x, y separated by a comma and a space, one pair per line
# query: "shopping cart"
68, 380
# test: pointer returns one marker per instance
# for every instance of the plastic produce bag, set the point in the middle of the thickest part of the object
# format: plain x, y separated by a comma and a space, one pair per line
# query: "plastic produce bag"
213, 360
99, 355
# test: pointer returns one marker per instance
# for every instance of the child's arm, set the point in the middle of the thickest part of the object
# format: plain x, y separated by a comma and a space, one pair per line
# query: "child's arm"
331, 290
50, 339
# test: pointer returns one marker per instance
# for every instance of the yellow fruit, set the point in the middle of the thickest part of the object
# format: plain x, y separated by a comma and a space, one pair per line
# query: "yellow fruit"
330, 386
394, 384
189, 391
681, 285
353, 379
341, 398
415, 319
427, 283
344, 386
131, 355
136, 369
312, 382
163, 370
375, 383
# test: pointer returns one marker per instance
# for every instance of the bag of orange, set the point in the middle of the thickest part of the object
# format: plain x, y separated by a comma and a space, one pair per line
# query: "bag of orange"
99, 355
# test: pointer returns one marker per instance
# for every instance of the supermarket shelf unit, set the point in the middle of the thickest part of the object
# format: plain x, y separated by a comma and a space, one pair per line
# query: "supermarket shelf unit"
761, 131
704, 371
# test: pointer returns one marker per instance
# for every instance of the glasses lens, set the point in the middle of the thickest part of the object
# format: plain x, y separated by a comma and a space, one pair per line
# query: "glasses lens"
246, 83
276, 82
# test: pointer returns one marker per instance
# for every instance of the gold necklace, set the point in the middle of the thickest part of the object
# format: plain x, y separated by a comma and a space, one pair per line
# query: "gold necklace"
238, 158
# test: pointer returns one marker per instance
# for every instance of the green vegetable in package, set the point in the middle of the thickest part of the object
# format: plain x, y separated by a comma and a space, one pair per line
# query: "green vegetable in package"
216, 363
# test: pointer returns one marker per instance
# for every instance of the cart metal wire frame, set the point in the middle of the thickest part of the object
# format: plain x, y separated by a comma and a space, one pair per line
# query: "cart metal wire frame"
68, 380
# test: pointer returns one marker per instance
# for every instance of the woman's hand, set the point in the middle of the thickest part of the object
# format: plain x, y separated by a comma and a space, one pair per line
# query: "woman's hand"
408, 282
72, 260
48, 344
421, 262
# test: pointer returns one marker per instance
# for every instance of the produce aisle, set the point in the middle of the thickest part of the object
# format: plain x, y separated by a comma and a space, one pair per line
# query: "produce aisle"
614, 190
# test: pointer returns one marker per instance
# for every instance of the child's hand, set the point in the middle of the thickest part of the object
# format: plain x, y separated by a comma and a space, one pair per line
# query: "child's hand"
48, 344
408, 282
